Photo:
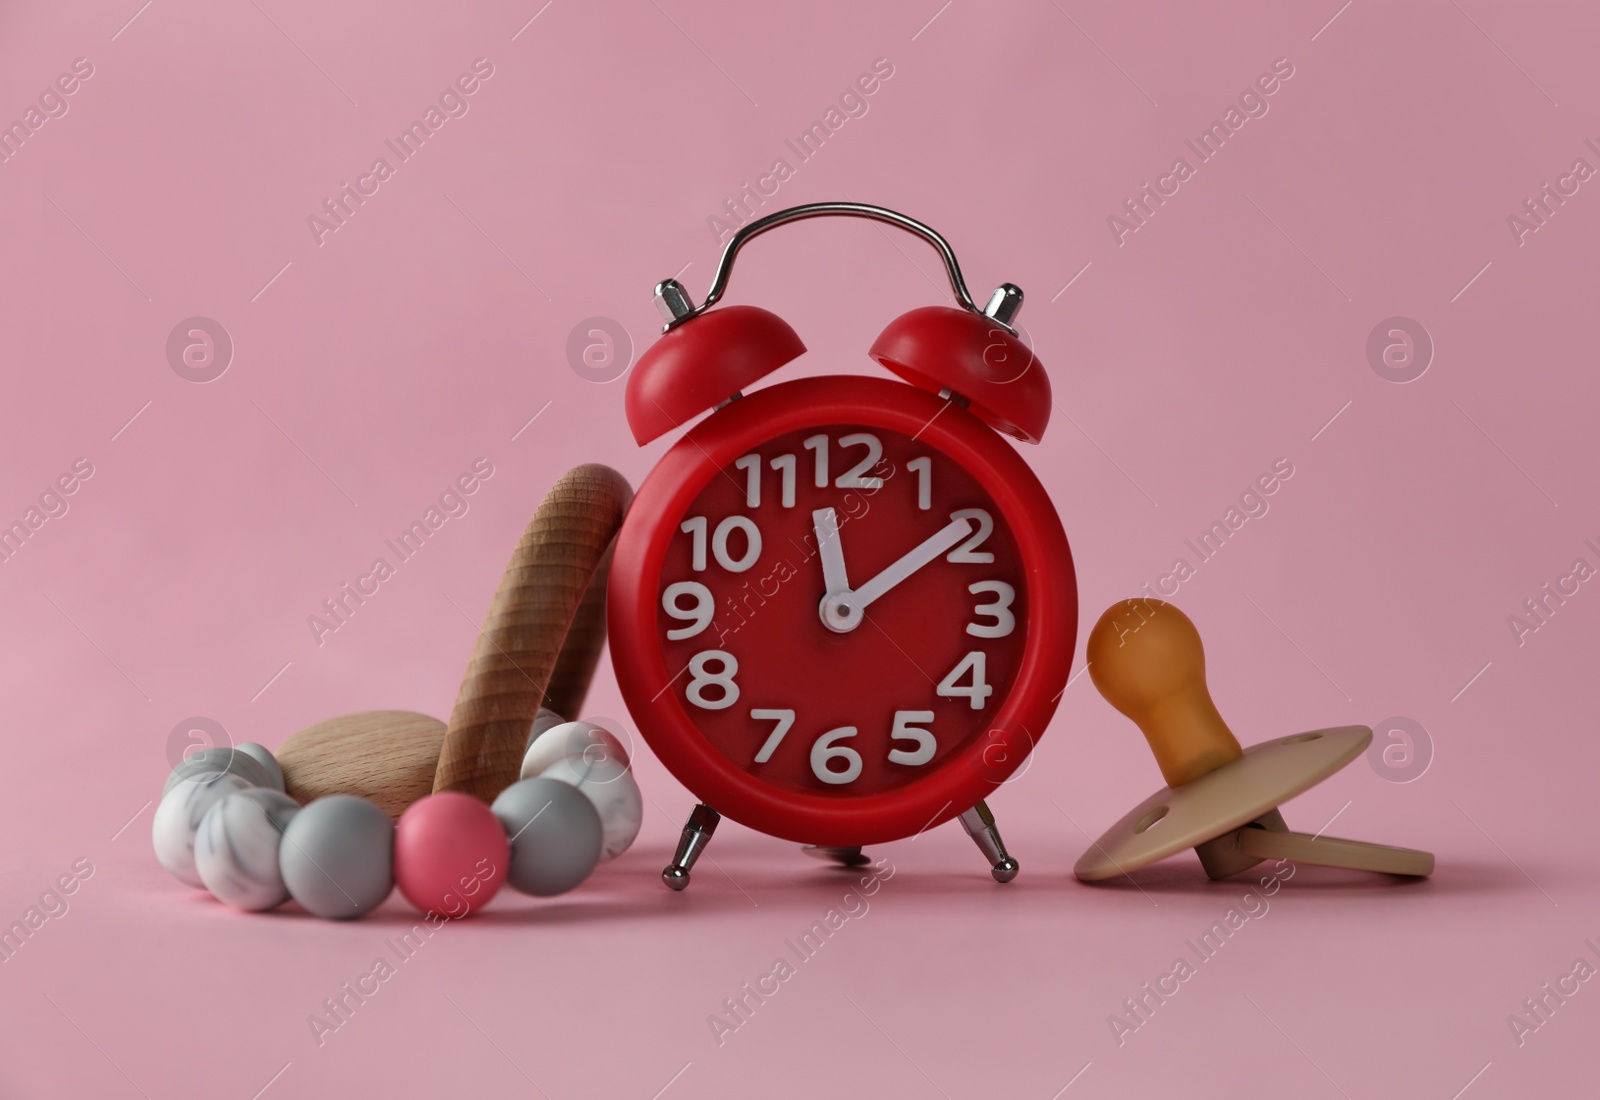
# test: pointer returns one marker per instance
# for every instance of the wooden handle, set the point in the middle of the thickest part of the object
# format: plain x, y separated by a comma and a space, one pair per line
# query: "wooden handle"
542, 636
1328, 851
580, 653
1146, 658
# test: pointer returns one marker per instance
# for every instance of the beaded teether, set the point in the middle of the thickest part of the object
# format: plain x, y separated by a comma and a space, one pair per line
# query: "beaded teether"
563, 797
1146, 658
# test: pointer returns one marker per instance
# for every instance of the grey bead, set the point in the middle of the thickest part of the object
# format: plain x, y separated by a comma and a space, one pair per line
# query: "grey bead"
269, 763
337, 857
236, 849
222, 759
555, 835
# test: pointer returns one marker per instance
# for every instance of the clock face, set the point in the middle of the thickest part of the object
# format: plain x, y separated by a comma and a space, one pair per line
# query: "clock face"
842, 610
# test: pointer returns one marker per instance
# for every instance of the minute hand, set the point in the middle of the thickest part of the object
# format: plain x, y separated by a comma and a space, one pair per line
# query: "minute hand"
924, 552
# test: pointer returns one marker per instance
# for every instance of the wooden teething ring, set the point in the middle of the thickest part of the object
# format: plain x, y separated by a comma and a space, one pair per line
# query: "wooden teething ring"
542, 636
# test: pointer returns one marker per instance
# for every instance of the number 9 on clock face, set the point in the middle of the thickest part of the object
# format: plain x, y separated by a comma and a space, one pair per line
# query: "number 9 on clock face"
837, 617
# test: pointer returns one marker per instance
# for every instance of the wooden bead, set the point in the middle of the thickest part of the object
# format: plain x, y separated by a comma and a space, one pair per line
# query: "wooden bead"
386, 756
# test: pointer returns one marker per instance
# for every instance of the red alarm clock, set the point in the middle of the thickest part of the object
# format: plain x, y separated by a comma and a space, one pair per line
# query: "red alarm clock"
842, 610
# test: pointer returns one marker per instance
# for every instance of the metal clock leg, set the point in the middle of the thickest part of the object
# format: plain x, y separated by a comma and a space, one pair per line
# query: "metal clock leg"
696, 835
843, 856
979, 824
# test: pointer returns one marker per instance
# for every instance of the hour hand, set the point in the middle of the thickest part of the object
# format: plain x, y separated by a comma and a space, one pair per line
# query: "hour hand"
825, 524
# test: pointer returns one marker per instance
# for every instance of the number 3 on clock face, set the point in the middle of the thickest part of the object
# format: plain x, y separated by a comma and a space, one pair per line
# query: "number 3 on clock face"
832, 630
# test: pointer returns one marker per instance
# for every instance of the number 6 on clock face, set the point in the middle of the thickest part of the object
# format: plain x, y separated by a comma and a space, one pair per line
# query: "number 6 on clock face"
830, 609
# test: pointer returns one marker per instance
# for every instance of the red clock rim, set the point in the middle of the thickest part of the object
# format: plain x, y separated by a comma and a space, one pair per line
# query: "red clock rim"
641, 669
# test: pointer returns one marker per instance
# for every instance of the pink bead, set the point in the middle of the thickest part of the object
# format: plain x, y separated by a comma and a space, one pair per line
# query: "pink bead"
450, 854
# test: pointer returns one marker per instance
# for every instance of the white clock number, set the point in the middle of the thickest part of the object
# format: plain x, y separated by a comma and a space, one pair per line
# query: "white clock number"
975, 663
699, 615
905, 731
695, 528
923, 468
1000, 610
853, 478
968, 551
819, 444
785, 465
784, 719
826, 749
752, 543
702, 677
751, 465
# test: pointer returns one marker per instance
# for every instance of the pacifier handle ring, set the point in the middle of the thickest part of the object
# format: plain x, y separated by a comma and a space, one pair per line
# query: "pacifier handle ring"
677, 309
1328, 851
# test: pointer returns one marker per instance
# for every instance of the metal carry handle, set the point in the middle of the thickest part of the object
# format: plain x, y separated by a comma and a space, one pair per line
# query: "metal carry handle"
677, 307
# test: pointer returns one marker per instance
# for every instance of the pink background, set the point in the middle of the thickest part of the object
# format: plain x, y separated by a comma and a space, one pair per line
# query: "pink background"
1226, 333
